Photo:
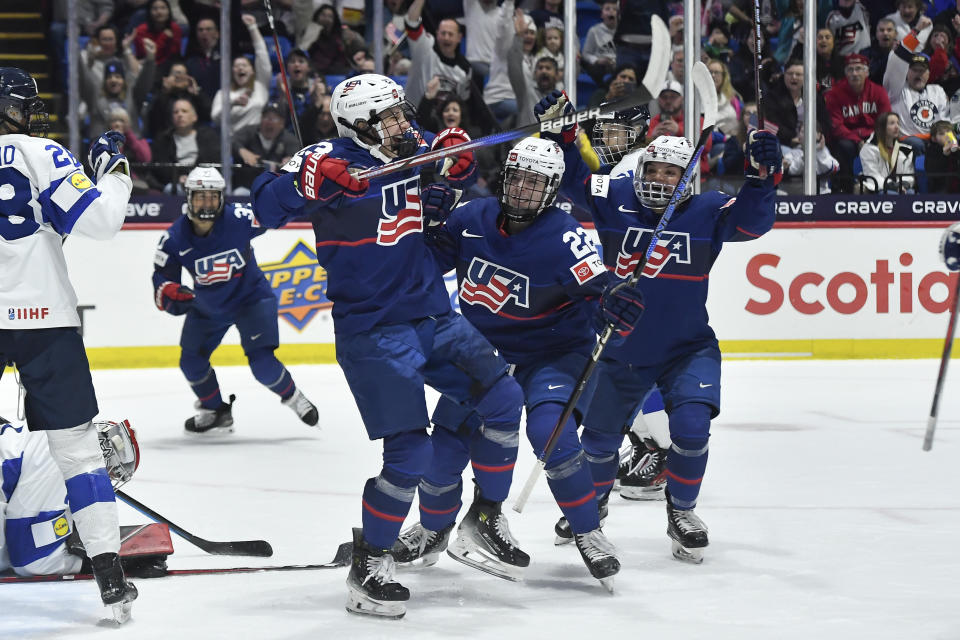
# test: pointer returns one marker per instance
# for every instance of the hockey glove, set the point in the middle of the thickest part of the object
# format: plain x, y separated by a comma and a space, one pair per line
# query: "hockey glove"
105, 155
174, 298
438, 200
322, 177
554, 105
950, 247
620, 305
763, 159
458, 168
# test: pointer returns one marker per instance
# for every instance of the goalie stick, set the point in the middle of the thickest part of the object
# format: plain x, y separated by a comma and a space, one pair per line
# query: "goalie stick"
942, 374
708, 98
260, 548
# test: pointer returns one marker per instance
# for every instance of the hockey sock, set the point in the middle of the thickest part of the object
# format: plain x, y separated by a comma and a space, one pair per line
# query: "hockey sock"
603, 455
271, 373
572, 487
687, 457
202, 379
493, 454
387, 497
441, 486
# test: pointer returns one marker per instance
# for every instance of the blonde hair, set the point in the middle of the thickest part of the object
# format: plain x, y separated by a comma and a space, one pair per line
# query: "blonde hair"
726, 87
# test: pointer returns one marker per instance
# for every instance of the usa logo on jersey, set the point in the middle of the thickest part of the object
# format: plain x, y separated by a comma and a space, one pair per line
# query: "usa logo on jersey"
672, 244
218, 268
402, 214
491, 286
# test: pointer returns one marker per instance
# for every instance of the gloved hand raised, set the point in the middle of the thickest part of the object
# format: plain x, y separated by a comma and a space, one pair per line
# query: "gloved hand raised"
321, 177
763, 159
105, 155
456, 168
552, 106
438, 200
620, 305
174, 298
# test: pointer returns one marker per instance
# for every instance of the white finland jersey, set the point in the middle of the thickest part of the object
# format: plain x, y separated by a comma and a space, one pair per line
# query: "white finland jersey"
45, 196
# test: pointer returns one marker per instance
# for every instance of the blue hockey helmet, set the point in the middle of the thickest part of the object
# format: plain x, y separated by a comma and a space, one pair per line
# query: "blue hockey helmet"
20, 106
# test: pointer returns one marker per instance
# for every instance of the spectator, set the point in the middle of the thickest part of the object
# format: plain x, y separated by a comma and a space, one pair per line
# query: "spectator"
545, 79
329, 43
884, 157
93, 14
675, 70
547, 10
431, 56
790, 41
886, 41
784, 104
430, 109
717, 45
262, 147
361, 61
829, 61
741, 67
950, 18
175, 85
482, 18
160, 28
853, 104
633, 37
599, 55
917, 103
203, 62
827, 165
498, 93
550, 43
943, 159
669, 122
301, 78
120, 89
248, 87
624, 81
104, 46
185, 144
729, 102
850, 25
906, 17
317, 122
135, 148
944, 61
734, 145
675, 29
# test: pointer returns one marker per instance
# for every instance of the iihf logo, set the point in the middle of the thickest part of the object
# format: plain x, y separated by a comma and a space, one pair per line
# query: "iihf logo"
491, 286
219, 267
672, 244
402, 214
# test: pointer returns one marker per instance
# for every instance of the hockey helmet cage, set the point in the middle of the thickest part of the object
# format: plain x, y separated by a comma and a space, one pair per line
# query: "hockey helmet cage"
617, 133
121, 452
675, 150
373, 110
204, 179
530, 178
20, 106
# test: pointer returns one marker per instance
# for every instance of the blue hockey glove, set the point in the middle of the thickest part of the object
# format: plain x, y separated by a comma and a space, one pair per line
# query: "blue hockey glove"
438, 200
763, 158
106, 157
174, 298
552, 106
620, 305
950, 247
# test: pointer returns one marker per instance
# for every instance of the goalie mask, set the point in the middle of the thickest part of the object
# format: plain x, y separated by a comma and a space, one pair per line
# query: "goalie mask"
675, 150
204, 188
20, 107
530, 178
373, 110
121, 453
615, 134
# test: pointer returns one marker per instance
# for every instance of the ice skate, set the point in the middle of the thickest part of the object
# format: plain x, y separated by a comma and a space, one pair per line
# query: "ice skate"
484, 541
372, 591
211, 422
562, 528
688, 534
418, 546
115, 591
627, 453
599, 555
646, 476
304, 409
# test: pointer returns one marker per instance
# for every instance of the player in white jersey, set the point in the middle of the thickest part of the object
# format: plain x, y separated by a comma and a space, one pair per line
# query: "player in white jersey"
45, 196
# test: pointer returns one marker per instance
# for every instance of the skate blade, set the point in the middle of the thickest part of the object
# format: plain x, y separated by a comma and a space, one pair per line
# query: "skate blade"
216, 432
642, 493
360, 604
616, 485
121, 612
685, 554
607, 583
561, 540
422, 562
478, 558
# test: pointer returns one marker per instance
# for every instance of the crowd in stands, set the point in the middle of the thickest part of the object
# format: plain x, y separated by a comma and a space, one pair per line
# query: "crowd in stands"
887, 74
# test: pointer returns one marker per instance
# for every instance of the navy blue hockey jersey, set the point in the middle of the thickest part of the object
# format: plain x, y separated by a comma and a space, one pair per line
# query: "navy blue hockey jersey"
222, 264
530, 293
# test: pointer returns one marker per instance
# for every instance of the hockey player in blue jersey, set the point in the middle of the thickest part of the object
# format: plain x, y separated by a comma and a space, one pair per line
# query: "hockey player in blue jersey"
212, 242
674, 346
530, 279
47, 196
395, 330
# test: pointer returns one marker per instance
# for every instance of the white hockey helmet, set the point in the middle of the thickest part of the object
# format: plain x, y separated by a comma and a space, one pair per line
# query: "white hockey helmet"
617, 133
675, 150
530, 178
204, 179
373, 110
121, 453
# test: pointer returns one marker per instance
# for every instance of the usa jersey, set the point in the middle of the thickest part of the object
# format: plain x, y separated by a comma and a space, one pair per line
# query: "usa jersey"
44, 196
34, 519
372, 247
222, 263
676, 278
531, 293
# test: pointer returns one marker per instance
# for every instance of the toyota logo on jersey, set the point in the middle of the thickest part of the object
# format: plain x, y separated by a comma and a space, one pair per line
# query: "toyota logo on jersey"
218, 268
672, 244
402, 214
491, 286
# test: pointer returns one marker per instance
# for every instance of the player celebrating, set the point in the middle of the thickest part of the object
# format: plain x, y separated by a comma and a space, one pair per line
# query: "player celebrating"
213, 243
674, 347
529, 278
394, 326
47, 196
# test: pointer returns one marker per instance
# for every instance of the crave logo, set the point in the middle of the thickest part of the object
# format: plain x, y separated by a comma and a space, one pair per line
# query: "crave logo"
300, 285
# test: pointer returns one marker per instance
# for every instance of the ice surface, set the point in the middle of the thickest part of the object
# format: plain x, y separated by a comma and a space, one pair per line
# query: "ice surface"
826, 521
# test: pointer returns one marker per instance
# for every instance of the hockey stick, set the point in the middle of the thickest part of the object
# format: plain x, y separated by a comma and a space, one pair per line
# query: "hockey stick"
708, 98
756, 62
283, 72
260, 548
944, 361
341, 559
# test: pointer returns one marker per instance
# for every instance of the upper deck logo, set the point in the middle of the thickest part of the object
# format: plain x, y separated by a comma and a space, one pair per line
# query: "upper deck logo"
219, 267
490, 285
672, 245
300, 285
402, 213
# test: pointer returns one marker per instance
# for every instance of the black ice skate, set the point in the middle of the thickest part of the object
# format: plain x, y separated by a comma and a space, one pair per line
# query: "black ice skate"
484, 541
372, 591
304, 409
688, 534
599, 555
115, 591
420, 546
646, 477
627, 453
211, 422
565, 533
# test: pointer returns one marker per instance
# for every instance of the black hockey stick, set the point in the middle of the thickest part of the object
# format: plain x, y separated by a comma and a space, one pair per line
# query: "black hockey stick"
283, 72
941, 376
708, 98
341, 559
757, 47
259, 548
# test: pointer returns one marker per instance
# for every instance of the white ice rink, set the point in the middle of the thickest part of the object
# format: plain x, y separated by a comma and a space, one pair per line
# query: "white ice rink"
826, 521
